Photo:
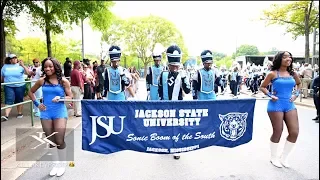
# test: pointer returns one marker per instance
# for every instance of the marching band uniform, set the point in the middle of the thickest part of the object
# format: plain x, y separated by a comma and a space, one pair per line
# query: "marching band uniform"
204, 79
223, 75
115, 78
152, 78
173, 82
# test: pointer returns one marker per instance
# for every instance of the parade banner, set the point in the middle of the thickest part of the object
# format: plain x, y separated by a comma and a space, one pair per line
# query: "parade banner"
165, 127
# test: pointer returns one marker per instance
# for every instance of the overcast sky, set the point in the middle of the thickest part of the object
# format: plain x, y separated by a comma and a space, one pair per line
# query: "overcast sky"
219, 26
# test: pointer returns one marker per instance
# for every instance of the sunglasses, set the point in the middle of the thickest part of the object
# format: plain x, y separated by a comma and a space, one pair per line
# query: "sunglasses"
35, 62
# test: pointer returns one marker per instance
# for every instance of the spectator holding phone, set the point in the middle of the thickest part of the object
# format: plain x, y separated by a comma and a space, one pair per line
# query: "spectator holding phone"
36, 73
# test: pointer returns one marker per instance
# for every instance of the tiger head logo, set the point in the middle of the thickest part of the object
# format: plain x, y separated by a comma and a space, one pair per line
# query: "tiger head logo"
233, 125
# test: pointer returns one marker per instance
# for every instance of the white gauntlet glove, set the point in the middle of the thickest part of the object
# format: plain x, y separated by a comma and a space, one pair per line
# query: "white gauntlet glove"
131, 98
183, 73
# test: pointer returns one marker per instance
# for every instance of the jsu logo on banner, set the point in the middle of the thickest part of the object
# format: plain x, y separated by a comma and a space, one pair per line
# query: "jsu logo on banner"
108, 126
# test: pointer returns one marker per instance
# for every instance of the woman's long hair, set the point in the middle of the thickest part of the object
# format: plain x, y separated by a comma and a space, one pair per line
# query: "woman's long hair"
57, 69
7, 60
277, 60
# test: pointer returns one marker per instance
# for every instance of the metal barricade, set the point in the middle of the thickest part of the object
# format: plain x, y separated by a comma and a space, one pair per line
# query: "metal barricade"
28, 83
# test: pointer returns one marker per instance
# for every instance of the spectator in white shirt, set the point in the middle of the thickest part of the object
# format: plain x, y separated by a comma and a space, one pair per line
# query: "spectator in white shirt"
36, 73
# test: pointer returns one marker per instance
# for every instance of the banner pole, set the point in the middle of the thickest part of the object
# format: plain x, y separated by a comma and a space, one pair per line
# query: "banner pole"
77, 100
69, 100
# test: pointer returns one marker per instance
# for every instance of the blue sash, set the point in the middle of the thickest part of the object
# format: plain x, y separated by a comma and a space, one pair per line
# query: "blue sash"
155, 74
165, 85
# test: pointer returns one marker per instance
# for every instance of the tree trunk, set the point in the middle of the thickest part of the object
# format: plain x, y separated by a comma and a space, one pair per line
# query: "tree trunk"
3, 41
46, 6
307, 33
2, 33
307, 50
145, 62
145, 70
48, 43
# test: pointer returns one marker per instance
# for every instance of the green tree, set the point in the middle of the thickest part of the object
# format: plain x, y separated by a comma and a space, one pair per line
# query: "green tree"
12, 45
51, 15
246, 50
63, 48
218, 56
114, 36
226, 61
138, 37
74, 49
30, 48
273, 51
9, 10
299, 18
129, 61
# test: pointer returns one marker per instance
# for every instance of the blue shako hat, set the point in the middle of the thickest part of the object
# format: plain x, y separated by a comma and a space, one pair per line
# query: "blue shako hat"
114, 53
174, 55
206, 56
156, 56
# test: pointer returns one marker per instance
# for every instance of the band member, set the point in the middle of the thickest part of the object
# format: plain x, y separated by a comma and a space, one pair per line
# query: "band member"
315, 86
223, 75
281, 106
152, 77
115, 78
172, 83
204, 79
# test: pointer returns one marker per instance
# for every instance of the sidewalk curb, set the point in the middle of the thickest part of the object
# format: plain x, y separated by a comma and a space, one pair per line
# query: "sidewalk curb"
297, 103
8, 149
304, 104
12, 169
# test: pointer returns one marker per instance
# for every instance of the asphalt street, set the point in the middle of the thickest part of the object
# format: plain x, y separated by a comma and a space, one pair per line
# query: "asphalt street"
246, 162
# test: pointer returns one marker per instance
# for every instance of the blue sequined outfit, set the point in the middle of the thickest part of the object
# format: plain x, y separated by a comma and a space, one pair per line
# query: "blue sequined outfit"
282, 88
54, 110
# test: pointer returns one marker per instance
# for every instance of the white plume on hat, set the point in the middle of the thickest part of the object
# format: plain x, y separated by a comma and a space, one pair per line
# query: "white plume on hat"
158, 49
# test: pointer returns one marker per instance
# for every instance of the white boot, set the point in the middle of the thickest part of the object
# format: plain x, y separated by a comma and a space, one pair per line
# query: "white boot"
288, 147
54, 157
62, 161
274, 155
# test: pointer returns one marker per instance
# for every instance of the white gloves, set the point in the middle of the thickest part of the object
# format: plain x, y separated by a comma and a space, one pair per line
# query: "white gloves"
183, 73
131, 98
56, 99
